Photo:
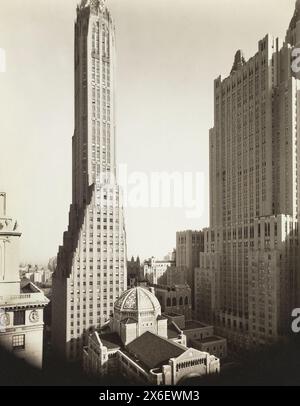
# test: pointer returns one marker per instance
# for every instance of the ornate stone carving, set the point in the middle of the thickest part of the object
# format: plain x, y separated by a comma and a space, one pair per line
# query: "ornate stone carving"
34, 316
4, 320
131, 302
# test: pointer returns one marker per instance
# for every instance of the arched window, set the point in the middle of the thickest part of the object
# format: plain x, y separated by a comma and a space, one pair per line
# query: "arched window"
180, 301
174, 301
186, 302
168, 302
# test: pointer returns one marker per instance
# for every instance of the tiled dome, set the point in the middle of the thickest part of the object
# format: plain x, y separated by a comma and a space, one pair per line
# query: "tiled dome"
137, 300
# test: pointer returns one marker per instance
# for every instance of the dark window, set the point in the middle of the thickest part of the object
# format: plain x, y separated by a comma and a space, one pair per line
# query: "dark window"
18, 342
19, 318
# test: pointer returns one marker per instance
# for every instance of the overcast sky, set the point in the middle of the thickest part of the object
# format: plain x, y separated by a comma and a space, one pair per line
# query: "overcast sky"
169, 53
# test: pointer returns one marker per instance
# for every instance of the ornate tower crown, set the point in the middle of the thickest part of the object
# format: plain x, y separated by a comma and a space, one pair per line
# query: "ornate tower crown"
95, 5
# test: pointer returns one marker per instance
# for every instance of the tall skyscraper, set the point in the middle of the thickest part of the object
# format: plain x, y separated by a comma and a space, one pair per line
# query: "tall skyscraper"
251, 259
92, 263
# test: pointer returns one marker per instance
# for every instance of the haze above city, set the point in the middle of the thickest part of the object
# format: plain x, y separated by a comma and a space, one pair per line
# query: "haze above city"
168, 52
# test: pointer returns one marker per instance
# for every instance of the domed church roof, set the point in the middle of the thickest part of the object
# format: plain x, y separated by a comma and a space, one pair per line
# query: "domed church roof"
138, 300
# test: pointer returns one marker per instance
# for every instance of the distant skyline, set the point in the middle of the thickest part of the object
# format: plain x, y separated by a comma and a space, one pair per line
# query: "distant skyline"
169, 52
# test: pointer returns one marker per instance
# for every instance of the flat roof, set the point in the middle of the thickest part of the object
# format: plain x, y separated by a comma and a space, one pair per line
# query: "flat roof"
209, 339
193, 324
171, 314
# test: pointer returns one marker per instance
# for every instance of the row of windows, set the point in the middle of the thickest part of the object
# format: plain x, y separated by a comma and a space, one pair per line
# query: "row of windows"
189, 364
181, 301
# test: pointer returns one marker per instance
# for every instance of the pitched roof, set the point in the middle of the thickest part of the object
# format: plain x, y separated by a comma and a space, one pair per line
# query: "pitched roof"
28, 287
154, 351
111, 341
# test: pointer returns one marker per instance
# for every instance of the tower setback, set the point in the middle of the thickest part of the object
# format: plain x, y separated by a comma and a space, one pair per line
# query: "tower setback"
92, 263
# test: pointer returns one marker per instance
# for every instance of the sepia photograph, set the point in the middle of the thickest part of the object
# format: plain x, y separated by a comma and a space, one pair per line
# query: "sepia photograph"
149, 196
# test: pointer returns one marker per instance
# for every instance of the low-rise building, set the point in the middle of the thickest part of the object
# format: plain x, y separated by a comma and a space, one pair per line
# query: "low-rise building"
138, 342
198, 335
21, 302
175, 299
37, 277
154, 270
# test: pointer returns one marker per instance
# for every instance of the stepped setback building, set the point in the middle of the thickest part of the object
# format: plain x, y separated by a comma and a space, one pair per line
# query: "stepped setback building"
248, 277
91, 265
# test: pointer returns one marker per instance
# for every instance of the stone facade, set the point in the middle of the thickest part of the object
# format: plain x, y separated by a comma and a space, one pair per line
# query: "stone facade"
175, 299
189, 244
136, 343
155, 271
21, 302
91, 268
248, 279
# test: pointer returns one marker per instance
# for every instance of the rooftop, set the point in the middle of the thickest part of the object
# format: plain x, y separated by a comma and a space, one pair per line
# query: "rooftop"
111, 341
28, 287
193, 324
172, 333
29, 295
137, 299
209, 339
129, 321
171, 314
159, 317
154, 351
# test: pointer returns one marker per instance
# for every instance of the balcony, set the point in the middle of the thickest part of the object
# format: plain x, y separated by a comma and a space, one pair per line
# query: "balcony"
23, 299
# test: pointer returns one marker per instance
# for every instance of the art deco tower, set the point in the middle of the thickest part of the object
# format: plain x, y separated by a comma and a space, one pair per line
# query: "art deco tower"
251, 259
91, 265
